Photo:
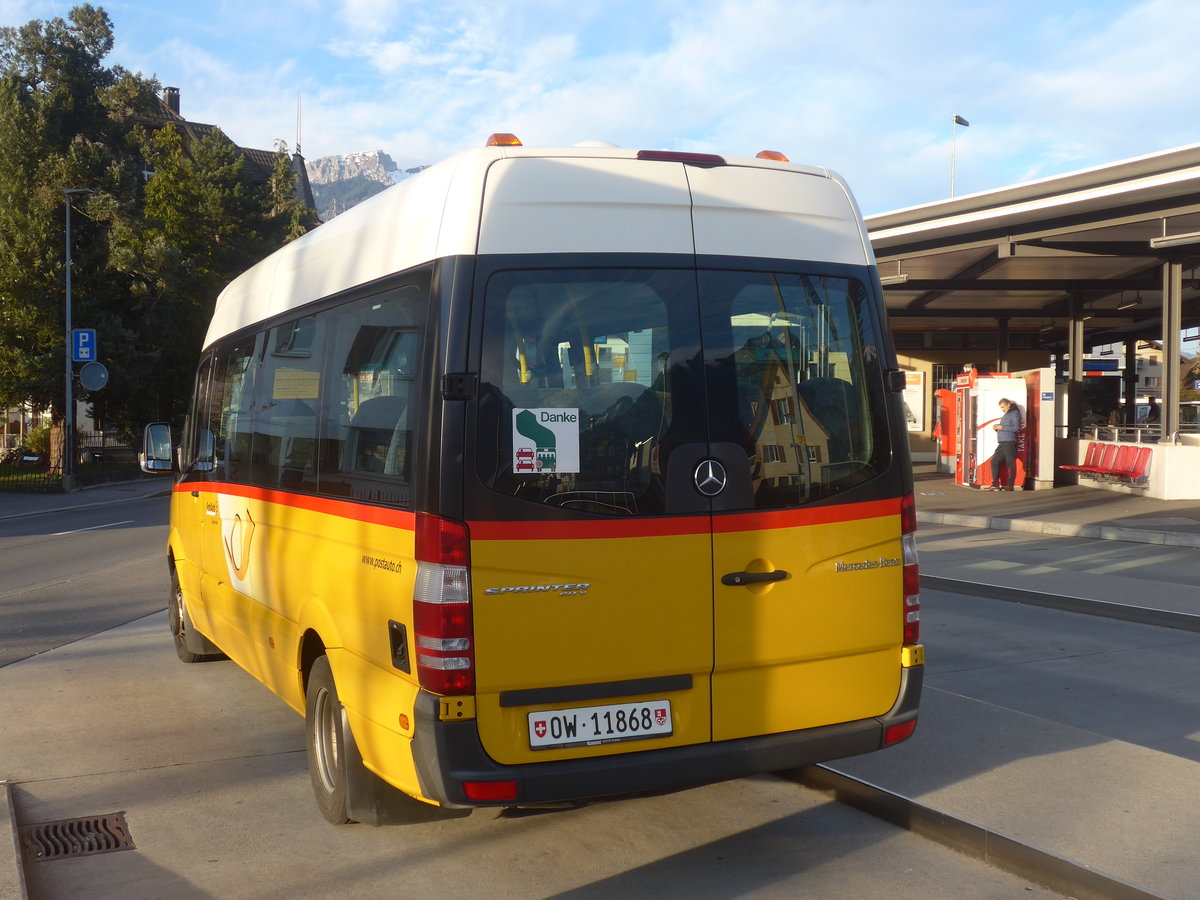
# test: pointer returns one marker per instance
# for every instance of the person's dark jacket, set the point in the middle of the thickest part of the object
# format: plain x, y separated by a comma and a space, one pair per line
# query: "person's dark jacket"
1010, 424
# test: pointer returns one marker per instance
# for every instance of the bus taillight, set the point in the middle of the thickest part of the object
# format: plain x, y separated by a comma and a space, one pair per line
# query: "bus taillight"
442, 606
912, 574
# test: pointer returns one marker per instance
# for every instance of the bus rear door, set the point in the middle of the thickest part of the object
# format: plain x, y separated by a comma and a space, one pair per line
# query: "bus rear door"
807, 573
592, 583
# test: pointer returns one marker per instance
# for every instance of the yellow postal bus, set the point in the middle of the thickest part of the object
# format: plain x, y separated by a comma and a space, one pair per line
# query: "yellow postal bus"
557, 474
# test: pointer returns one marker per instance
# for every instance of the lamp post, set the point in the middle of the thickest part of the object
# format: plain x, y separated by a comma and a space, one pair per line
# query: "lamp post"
68, 457
954, 123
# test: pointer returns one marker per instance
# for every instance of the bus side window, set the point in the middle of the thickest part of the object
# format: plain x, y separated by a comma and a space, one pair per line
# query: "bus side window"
196, 444
368, 408
285, 409
204, 453
377, 439
229, 410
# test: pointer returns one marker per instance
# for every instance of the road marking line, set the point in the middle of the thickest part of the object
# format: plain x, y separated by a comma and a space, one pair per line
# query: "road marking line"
93, 528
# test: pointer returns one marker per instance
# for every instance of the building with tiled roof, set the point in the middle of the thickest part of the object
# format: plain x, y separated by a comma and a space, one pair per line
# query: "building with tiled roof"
259, 163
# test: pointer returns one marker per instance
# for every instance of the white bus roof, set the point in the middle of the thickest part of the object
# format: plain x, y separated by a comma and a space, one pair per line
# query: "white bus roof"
570, 200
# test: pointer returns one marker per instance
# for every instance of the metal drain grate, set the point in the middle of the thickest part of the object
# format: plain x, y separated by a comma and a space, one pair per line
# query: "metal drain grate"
72, 838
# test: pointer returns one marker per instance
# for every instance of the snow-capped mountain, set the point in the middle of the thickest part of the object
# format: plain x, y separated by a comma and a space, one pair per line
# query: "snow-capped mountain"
340, 182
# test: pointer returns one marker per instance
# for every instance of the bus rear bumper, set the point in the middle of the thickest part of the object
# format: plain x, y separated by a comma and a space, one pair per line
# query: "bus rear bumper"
449, 754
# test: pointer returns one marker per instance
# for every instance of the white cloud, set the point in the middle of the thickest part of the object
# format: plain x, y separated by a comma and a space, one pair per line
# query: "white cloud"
866, 87
366, 15
1115, 86
14, 13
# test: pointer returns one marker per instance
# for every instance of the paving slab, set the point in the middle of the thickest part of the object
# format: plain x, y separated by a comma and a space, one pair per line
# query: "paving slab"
1158, 577
1067, 511
79, 706
1120, 808
1069, 733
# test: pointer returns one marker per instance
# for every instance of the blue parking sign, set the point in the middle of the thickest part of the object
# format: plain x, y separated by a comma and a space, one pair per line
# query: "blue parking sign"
83, 348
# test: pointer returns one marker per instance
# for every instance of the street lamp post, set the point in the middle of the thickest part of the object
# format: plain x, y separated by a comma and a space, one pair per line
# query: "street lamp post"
954, 123
68, 456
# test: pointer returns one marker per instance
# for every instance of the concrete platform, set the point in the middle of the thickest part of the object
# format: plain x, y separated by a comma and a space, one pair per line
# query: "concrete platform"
1071, 734
1068, 511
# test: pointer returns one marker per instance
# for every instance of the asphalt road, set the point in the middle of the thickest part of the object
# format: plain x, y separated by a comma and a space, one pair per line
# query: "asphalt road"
67, 575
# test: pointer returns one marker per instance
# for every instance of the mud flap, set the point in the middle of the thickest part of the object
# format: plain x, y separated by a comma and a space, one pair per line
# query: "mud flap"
372, 801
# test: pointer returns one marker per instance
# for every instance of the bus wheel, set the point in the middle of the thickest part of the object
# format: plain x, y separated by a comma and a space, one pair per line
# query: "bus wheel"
346, 790
190, 645
325, 744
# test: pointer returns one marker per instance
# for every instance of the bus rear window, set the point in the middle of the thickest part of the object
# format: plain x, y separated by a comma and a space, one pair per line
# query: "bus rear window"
576, 386
800, 354
592, 379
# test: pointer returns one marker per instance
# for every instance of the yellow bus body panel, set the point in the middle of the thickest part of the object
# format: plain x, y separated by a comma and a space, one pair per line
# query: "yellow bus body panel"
818, 648
184, 544
646, 612
560, 607
821, 646
339, 570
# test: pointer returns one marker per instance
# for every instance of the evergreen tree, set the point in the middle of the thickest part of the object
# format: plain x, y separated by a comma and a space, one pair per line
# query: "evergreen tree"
167, 223
51, 118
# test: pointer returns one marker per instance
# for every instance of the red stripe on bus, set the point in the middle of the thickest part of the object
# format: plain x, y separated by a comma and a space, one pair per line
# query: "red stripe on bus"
673, 526
573, 531
345, 509
767, 520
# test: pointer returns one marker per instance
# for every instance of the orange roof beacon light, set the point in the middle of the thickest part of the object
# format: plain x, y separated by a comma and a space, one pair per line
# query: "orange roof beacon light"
772, 154
504, 139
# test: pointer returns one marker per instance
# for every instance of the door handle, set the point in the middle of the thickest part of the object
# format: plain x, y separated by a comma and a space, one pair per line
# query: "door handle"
733, 579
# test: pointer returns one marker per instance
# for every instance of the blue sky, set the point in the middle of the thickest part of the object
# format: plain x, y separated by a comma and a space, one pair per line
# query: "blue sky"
865, 88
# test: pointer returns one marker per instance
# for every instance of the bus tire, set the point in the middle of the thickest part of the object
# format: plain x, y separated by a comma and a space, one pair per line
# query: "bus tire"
345, 789
324, 732
190, 645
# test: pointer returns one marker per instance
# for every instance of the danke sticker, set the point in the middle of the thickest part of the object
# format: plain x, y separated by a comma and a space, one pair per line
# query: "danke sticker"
545, 441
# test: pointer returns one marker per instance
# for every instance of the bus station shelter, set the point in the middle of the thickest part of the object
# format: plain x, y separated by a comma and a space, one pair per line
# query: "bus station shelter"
1054, 267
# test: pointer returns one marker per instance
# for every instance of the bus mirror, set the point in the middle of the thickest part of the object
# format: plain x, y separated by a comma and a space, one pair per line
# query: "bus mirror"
156, 448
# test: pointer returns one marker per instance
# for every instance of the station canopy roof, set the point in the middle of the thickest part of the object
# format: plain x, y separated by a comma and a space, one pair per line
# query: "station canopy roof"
1098, 237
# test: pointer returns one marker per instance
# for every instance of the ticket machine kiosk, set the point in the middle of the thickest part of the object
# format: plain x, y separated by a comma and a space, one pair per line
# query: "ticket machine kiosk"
977, 410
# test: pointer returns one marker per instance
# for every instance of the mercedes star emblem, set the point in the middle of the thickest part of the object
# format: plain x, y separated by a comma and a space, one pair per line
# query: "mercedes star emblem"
710, 478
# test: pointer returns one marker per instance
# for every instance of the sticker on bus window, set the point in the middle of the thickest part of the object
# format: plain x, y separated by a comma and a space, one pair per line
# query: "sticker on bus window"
545, 441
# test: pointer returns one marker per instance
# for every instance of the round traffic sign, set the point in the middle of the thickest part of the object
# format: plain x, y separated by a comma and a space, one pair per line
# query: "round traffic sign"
93, 376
